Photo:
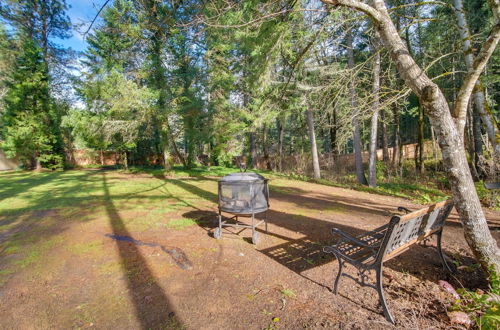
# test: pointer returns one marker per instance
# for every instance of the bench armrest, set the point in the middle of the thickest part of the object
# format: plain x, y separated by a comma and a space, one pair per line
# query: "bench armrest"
336, 231
404, 209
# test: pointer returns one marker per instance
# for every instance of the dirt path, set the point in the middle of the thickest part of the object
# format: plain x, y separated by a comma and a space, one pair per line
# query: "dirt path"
82, 275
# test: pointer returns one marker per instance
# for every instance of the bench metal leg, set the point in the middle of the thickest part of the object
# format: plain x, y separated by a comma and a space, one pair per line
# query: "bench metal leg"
440, 251
339, 274
380, 290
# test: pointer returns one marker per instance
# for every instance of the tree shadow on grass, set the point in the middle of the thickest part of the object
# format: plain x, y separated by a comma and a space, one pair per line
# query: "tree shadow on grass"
44, 217
52, 202
152, 306
14, 185
41, 216
305, 253
302, 254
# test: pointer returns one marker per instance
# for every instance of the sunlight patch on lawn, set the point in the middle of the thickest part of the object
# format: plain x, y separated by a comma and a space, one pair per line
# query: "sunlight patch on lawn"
180, 224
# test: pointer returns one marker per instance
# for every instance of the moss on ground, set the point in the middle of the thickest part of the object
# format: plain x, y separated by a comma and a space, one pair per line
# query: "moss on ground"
180, 224
86, 248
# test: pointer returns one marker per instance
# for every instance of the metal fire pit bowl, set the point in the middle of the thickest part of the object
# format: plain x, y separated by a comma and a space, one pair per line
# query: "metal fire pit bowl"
242, 195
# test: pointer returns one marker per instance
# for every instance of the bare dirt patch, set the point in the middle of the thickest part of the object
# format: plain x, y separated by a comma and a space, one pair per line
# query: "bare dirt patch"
84, 278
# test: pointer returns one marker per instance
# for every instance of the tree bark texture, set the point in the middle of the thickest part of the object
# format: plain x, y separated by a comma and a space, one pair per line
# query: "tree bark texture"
478, 97
253, 150
478, 143
167, 158
358, 159
385, 143
372, 162
333, 134
281, 136
160, 85
396, 149
265, 148
419, 161
314, 147
450, 140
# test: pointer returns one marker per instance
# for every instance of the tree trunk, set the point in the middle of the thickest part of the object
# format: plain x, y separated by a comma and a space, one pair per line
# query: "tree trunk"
434, 148
167, 158
385, 147
253, 151
396, 149
470, 145
312, 139
171, 139
125, 160
159, 83
38, 164
189, 140
333, 135
281, 136
372, 162
101, 154
419, 155
478, 143
450, 138
265, 148
358, 158
478, 93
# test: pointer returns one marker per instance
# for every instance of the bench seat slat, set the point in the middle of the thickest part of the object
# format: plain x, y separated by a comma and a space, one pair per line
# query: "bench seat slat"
416, 226
371, 249
359, 253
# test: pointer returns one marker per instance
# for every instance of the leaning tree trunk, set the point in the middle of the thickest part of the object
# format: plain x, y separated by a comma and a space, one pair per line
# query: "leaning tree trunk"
478, 143
372, 162
170, 138
478, 94
312, 139
358, 158
450, 140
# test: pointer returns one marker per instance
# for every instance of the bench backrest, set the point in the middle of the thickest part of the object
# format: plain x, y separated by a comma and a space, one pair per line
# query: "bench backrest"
404, 231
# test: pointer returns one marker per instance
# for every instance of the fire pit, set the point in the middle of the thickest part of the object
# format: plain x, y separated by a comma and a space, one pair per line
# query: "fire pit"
243, 195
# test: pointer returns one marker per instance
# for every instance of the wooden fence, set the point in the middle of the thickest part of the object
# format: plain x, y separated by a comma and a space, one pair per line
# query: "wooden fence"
300, 164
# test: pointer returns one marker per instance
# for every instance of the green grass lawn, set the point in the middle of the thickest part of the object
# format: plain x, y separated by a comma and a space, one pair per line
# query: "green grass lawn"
36, 207
56, 228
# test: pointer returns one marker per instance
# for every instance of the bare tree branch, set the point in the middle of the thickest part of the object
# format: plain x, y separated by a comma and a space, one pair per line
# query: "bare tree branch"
95, 17
363, 7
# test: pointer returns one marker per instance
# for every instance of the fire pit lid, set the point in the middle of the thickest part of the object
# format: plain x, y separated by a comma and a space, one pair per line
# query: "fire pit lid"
245, 177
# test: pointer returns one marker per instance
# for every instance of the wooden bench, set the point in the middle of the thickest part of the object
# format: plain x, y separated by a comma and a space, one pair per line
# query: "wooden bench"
371, 249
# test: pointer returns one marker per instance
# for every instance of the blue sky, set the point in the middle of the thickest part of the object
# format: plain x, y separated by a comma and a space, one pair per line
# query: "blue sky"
81, 13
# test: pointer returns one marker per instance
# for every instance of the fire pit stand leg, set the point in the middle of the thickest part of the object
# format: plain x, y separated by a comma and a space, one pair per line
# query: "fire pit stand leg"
253, 224
255, 233
218, 230
265, 220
